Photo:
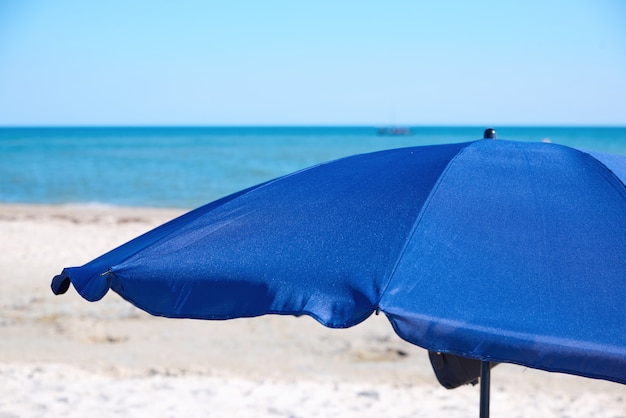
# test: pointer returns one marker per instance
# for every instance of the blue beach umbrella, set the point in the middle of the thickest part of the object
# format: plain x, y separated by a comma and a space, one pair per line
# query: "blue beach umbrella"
490, 251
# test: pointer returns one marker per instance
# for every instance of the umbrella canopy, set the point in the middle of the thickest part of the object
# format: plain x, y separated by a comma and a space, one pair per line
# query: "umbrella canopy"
492, 250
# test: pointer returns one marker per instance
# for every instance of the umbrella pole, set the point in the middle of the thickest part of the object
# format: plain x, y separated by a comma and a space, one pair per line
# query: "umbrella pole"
485, 381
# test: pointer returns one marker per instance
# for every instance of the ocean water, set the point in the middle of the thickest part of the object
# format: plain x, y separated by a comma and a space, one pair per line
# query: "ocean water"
187, 167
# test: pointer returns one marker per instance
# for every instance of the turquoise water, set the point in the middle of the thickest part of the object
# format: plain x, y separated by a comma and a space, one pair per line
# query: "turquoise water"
187, 167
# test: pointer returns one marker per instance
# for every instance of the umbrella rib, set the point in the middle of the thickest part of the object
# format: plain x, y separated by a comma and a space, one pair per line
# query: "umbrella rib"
419, 217
598, 158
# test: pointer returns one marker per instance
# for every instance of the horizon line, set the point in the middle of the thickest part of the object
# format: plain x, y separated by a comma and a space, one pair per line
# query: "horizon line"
296, 126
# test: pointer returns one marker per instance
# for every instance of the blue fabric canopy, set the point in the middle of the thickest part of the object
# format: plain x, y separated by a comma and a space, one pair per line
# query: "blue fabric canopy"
493, 250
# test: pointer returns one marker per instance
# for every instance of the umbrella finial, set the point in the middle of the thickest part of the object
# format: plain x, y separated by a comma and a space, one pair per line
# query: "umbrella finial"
490, 133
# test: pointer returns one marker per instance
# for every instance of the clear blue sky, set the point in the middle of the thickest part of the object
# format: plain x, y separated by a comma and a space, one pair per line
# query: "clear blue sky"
134, 62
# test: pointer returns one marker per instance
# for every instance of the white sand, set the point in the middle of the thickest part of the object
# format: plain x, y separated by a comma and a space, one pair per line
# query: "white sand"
63, 356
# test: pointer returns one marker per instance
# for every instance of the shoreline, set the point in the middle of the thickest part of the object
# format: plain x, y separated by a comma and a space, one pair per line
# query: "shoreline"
87, 211
63, 347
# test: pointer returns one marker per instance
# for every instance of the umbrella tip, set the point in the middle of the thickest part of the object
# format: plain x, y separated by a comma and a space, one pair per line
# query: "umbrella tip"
490, 133
60, 284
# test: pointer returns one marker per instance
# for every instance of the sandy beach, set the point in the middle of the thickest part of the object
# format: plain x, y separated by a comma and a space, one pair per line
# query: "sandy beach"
63, 356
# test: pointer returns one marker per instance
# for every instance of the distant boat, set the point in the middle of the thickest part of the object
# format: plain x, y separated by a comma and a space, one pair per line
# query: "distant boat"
394, 131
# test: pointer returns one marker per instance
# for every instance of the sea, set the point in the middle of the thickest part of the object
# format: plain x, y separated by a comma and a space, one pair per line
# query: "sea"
185, 167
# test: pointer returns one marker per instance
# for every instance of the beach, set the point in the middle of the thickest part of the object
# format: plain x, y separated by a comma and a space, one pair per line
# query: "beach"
64, 356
